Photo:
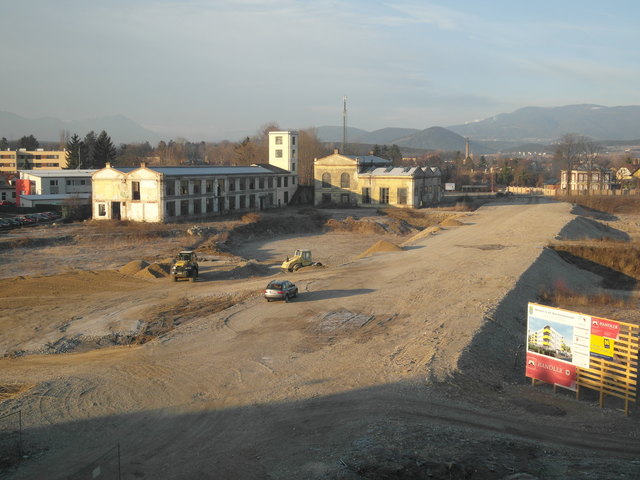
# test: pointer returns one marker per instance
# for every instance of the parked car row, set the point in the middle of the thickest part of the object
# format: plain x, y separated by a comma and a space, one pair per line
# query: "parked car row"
27, 219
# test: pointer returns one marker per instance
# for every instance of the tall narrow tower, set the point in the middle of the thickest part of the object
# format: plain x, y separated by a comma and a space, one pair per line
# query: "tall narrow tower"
283, 150
344, 125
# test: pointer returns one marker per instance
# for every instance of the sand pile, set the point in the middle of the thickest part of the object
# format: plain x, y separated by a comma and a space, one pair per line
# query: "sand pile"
451, 222
133, 267
427, 232
251, 268
581, 228
355, 225
155, 270
380, 246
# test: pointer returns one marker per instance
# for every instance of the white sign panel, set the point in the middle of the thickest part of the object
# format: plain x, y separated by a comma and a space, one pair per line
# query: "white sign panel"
559, 334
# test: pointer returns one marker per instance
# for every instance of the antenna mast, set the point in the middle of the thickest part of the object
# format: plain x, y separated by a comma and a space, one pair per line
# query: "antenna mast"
344, 125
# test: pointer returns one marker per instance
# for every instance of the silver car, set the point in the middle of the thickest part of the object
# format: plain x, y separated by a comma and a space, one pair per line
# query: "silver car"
280, 290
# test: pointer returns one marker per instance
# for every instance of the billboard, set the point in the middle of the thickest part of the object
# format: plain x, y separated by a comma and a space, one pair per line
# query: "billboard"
560, 341
449, 187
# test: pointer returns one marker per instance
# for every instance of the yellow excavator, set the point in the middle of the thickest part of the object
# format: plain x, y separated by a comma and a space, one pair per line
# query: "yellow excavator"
301, 258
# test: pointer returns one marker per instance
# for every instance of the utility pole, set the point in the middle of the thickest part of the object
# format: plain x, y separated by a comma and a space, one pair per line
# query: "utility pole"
344, 124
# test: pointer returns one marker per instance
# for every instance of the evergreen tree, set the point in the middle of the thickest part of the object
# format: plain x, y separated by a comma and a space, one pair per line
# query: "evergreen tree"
87, 150
30, 143
73, 148
4, 144
104, 151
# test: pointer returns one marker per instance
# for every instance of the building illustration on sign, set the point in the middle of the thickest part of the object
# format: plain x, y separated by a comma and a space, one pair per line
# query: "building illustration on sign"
549, 341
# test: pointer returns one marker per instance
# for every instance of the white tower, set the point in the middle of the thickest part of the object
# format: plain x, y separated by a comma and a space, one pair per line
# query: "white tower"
283, 150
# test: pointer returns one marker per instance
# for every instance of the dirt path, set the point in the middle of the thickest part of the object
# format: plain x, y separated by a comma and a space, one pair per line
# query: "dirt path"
343, 382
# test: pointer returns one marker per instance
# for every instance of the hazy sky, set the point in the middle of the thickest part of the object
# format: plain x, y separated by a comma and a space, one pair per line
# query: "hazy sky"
215, 69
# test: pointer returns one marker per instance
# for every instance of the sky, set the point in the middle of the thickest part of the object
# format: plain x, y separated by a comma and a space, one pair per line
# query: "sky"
222, 69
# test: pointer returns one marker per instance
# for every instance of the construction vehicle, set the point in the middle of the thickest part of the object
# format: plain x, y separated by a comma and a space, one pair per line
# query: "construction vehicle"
185, 265
301, 258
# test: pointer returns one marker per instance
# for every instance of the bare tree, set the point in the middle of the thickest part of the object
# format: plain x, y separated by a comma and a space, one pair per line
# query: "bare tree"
572, 150
309, 149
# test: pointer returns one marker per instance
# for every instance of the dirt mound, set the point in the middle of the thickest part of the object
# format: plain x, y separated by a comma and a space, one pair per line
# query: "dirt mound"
155, 270
380, 246
12, 390
581, 228
271, 225
369, 226
427, 232
451, 222
133, 267
251, 268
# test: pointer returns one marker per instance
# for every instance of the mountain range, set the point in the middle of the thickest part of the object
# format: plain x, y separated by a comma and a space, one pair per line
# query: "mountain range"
529, 128
118, 127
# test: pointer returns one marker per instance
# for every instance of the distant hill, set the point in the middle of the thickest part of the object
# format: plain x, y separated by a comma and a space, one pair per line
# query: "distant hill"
546, 124
119, 128
434, 138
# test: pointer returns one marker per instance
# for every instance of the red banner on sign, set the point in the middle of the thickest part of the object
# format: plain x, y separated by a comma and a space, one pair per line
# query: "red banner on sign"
550, 370
604, 328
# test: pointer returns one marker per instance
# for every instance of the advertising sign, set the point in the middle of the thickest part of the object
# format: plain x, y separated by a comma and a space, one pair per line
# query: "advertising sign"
604, 334
551, 370
559, 334
449, 187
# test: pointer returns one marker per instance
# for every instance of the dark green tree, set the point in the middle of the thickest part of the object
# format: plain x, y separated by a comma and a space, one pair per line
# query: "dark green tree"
4, 144
30, 143
104, 151
87, 150
73, 148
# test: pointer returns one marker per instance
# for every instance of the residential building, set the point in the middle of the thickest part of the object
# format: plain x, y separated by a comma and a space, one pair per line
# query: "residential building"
172, 194
586, 178
371, 181
23, 159
52, 187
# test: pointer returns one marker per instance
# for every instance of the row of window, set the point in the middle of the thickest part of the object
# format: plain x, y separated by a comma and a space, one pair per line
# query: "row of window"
194, 187
383, 198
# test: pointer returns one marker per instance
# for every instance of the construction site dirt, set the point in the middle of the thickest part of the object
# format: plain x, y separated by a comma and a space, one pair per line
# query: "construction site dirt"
401, 358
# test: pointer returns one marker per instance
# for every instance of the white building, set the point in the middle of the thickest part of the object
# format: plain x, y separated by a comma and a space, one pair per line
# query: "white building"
172, 194
53, 187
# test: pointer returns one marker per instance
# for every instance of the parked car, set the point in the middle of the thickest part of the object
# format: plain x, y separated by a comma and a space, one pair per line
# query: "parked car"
6, 203
280, 290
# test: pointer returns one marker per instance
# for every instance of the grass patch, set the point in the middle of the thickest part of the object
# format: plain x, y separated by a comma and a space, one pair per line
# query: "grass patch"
622, 257
606, 203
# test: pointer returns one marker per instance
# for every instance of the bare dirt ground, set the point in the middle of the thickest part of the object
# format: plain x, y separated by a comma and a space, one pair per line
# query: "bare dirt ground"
404, 364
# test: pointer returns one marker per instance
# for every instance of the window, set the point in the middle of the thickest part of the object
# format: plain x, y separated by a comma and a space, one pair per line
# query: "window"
184, 187
344, 180
196, 186
279, 182
102, 210
243, 201
279, 140
293, 140
344, 198
197, 206
232, 203
170, 208
286, 197
232, 184
209, 205
252, 184
209, 186
384, 195
270, 182
261, 183
252, 201
366, 195
326, 198
184, 207
293, 167
135, 190
279, 153
326, 180
286, 181
402, 196
170, 188
243, 184
53, 183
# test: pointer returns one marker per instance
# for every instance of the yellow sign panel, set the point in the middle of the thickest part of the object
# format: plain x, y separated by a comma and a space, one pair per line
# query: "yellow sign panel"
602, 347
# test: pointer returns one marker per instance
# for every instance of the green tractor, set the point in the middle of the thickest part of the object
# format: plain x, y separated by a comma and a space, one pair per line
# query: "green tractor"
185, 266
301, 258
